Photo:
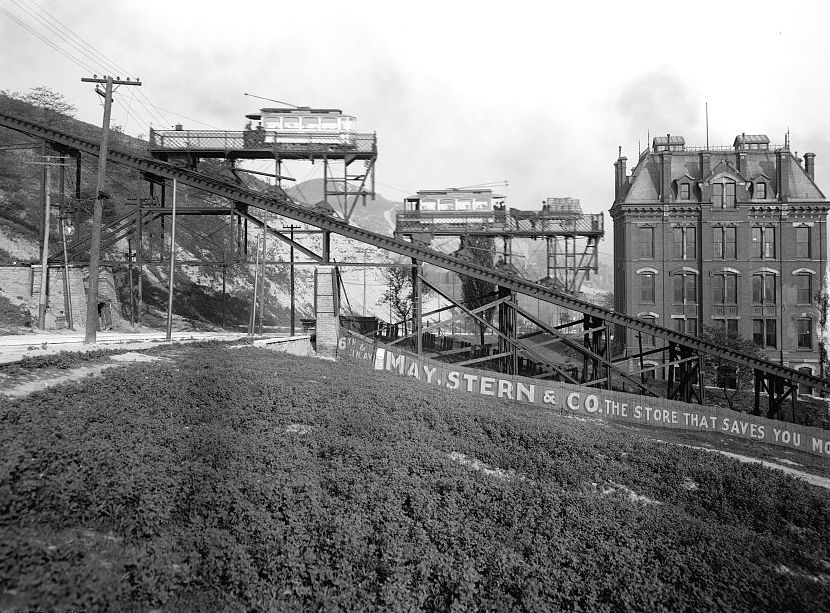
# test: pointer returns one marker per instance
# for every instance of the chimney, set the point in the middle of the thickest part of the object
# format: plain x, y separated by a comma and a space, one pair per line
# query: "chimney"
705, 166
619, 178
665, 171
782, 171
810, 165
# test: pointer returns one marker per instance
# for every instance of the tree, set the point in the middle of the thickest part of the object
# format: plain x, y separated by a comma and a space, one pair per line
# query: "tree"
53, 105
398, 293
723, 373
475, 292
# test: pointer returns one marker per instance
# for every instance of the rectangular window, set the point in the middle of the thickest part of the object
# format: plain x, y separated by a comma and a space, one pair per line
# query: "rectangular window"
290, 123
678, 243
446, 204
691, 327
763, 242
731, 326
802, 242
758, 332
757, 243
718, 251
684, 191
690, 249
771, 336
717, 194
769, 242
729, 195
647, 243
311, 123
805, 333
647, 293
804, 289
328, 123
685, 289
730, 251
678, 289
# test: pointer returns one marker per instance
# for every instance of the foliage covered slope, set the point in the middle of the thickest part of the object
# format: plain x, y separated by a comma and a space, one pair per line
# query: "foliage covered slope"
244, 480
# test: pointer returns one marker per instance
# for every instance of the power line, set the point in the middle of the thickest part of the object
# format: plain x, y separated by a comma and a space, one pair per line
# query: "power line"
47, 41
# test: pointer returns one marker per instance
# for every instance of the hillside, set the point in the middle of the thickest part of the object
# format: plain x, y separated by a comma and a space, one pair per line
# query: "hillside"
197, 300
244, 480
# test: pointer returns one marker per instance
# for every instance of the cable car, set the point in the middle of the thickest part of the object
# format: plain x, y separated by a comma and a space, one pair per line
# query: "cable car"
301, 126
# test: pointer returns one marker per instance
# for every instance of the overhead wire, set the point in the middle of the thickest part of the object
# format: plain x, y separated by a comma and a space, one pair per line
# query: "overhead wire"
67, 55
85, 48
78, 44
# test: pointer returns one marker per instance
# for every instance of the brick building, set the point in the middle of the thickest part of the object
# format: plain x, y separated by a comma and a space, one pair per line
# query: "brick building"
722, 236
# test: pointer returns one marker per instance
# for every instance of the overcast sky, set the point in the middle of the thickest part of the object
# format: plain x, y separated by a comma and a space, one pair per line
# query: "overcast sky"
460, 93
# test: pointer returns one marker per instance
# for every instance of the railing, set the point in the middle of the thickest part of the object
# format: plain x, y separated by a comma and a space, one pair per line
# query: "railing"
228, 140
542, 222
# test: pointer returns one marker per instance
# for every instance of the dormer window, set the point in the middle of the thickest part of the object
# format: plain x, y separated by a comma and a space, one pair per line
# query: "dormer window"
760, 192
685, 191
723, 194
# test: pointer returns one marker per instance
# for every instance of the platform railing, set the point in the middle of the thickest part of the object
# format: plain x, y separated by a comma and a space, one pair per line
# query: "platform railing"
228, 140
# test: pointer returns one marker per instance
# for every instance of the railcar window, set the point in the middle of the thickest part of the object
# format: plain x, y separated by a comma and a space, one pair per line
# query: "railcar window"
446, 204
346, 123
290, 123
428, 205
311, 123
272, 123
463, 204
482, 205
328, 123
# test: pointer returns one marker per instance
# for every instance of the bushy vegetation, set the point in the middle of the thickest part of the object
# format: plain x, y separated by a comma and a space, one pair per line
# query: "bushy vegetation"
244, 480
13, 317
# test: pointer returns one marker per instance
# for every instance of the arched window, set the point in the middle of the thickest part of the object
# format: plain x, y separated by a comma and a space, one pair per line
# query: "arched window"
804, 288
685, 288
725, 288
763, 288
647, 286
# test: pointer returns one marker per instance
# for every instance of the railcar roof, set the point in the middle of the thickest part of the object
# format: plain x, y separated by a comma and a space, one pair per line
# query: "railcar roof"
427, 193
303, 110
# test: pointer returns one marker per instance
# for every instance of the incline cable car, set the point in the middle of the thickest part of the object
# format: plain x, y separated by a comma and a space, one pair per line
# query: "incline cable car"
301, 126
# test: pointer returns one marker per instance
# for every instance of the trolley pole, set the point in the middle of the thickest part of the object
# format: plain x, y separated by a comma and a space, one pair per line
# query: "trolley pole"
100, 196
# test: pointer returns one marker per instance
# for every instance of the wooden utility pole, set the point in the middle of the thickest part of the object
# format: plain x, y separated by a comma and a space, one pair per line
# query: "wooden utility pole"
172, 267
44, 254
47, 161
100, 196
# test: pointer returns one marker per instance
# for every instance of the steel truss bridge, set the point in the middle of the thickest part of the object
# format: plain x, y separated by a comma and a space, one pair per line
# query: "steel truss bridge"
681, 354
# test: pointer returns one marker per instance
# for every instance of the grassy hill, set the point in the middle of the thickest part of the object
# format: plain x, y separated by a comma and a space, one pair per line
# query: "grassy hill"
244, 480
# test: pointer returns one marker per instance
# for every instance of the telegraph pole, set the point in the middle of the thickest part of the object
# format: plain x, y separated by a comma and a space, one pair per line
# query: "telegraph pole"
100, 196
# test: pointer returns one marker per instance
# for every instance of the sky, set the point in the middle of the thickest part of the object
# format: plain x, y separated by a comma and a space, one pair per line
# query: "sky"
537, 95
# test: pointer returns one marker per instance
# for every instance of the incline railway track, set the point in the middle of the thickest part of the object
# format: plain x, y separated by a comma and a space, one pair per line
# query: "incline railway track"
282, 205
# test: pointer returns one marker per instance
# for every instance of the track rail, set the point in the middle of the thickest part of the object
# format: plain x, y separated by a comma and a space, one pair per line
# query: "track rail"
282, 205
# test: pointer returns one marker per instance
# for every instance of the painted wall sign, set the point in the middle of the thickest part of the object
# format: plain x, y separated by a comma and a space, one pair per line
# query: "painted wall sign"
579, 400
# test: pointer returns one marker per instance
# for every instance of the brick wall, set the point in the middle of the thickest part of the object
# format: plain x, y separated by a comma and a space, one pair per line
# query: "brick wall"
328, 310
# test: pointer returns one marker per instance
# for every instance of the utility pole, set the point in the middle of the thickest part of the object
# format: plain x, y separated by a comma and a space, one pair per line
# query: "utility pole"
172, 267
100, 196
47, 162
